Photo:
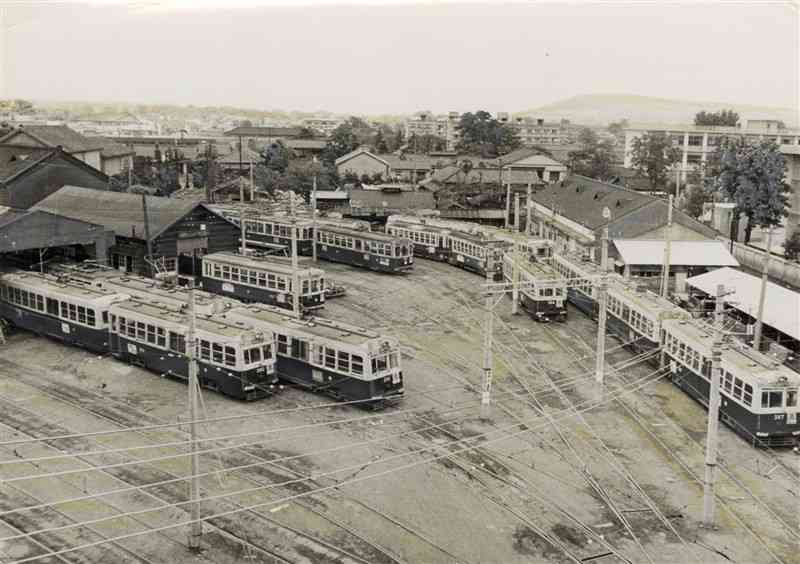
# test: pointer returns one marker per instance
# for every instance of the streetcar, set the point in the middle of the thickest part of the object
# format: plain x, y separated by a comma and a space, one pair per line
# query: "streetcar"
71, 313
366, 249
430, 242
758, 395
266, 279
232, 357
474, 251
325, 356
544, 292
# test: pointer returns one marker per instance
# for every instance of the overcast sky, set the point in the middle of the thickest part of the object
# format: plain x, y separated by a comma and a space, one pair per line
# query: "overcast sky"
403, 57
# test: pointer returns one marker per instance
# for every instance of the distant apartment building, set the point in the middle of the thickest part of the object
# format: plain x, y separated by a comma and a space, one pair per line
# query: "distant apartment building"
696, 142
792, 154
323, 125
116, 126
531, 131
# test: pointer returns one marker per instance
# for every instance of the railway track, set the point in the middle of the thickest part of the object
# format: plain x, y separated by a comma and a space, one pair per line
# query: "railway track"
669, 445
125, 416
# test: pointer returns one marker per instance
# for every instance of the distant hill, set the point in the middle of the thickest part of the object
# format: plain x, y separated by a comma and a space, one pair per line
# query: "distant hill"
601, 109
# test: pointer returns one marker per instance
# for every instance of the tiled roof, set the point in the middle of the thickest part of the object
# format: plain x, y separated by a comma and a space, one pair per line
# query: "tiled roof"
305, 143
412, 162
118, 211
55, 135
452, 175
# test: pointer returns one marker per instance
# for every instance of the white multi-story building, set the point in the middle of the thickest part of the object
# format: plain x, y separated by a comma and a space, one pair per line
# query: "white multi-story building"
531, 131
696, 142
324, 125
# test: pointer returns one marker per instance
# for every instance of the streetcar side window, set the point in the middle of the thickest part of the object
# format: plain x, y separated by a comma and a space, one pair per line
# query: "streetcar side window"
771, 399
791, 398
356, 364
230, 356
748, 394
330, 358
205, 350
177, 342
216, 352
737, 388
344, 361
52, 306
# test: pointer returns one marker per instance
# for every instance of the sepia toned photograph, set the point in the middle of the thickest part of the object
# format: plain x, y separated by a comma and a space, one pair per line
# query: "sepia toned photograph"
399, 282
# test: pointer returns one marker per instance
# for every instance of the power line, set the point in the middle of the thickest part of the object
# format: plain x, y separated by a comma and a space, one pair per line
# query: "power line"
638, 384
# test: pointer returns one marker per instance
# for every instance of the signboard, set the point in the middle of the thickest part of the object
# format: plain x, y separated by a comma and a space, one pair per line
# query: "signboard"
226, 287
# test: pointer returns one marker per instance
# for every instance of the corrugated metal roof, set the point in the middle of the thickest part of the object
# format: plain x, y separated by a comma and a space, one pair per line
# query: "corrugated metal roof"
781, 306
118, 211
638, 252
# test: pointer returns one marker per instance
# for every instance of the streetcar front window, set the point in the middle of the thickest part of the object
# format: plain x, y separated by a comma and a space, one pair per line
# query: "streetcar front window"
791, 398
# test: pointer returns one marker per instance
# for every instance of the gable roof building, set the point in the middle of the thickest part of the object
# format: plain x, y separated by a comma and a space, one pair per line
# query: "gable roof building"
79, 146
29, 175
571, 213
176, 227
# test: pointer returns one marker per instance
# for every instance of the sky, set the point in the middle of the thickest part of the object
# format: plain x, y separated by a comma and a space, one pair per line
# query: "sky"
394, 58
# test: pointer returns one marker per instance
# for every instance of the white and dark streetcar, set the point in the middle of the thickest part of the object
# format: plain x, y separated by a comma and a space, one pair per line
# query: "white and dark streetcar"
71, 313
268, 280
758, 395
147, 333
365, 249
329, 357
430, 242
543, 292
232, 357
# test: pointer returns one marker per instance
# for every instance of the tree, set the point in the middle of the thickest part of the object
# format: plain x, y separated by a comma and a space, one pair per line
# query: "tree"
276, 156
652, 155
593, 158
380, 143
791, 247
751, 176
424, 144
695, 201
347, 137
481, 134
723, 117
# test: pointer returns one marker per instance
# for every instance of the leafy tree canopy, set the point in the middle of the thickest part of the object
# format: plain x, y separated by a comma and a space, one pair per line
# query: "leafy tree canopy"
16, 105
593, 158
424, 144
347, 137
751, 176
723, 117
652, 155
482, 134
791, 247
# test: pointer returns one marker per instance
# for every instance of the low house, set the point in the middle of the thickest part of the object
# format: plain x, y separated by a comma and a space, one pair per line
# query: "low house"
329, 199
237, 160
454, 175
25, 138
115, 158
408, 168
571, 213
530, 160
305, 148
378, 203
177, 230
27, 177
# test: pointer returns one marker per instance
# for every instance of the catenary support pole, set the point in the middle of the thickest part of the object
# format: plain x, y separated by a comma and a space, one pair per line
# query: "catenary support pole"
243, 232
667, 252
508, 198
517, 218
314, 215
295, 279
529, 211
147, 229
763, 295
196, 527
712, 434
515, 275
602, 298
488, 359
252, 184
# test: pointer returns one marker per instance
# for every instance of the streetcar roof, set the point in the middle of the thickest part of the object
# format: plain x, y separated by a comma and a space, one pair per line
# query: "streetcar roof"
313, 326
36, 282
737, 357
214, 325
356, 234
266, 263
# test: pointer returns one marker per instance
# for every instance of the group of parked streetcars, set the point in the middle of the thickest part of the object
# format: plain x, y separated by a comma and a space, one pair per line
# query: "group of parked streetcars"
759, 395
473, 247
344, 241
243, 350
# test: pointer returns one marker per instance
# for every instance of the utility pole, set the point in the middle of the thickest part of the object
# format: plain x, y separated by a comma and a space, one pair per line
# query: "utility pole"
130, 173
529, 212
516, 213
196, 527
667, 252
602, 298
508, 197
488, 359
241, 190
314, 215
147, 229
252, 184
763, 295
243, 231
295, 280
713, 410
515, 280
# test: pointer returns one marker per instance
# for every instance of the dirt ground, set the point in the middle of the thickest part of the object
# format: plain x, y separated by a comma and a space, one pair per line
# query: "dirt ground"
562, 472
